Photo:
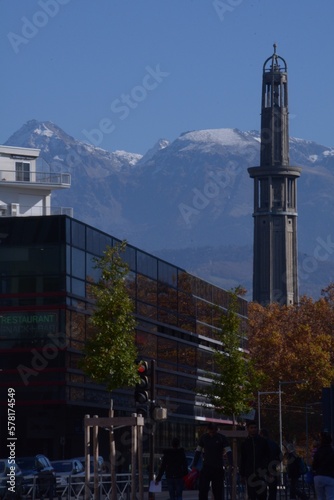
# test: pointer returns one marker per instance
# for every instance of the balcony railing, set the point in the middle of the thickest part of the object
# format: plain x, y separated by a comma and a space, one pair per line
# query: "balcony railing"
36, 177
18, 210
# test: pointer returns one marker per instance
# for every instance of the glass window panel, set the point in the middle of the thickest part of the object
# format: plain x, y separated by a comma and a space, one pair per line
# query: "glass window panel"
77, 393
167, 379
146, 290
193, 284
146, 344
204, 290
22, 171
205, 330
78, 263
204, 311
131, 284
146, 264
78, 234
186, 304
97, 242
73, 360
26, 284
104, 242
187, 356
165, 364
68, 259
77, 326
97, 397
129, 256
92, 274
28, 261
53, 283
147, 326
76, 344
188, 384
204, 360
220, 297
167, 273
184, 281
186, 409
91, 245
167, 297
167, 349
167, 317
32, 231
187, 323
146, 310
75, 377
78, 287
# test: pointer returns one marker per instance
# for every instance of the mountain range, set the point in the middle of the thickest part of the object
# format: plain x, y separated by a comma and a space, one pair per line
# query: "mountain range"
190, 201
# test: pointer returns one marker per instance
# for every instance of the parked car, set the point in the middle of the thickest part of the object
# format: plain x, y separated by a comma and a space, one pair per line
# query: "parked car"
103, 473
38, 471
68, 472
102, 466
11, 480
190, 459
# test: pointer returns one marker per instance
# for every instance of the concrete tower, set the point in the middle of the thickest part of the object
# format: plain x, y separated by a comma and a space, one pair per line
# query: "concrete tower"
275, 195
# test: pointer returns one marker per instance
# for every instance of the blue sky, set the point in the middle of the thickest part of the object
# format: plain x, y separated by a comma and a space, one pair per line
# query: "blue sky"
122, 74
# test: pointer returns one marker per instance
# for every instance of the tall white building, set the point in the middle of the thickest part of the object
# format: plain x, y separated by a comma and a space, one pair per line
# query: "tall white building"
26, 183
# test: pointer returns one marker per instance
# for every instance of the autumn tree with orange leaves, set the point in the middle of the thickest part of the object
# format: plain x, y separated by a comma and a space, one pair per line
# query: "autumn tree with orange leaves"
290, 343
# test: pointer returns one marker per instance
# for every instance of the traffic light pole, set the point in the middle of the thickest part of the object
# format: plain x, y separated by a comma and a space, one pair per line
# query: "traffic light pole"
151, 495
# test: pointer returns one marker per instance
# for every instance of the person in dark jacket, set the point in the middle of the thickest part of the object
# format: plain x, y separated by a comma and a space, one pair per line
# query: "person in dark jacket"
294, 471
213, 445
323, 468
275, 460
174, 464
254, 463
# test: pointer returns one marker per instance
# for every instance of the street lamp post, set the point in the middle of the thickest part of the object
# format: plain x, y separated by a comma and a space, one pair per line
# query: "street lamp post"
308, 405
280, 383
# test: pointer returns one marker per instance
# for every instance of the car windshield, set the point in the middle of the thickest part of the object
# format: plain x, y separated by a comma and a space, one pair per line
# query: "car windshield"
62, 466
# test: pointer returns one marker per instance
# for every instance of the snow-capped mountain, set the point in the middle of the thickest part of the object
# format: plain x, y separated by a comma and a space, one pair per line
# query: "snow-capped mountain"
191, 200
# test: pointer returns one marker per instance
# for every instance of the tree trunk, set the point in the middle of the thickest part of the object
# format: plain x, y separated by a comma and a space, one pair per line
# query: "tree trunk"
235, 463
112, 457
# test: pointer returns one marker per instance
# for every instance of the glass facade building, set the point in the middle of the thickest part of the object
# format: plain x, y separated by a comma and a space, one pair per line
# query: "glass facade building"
46, 268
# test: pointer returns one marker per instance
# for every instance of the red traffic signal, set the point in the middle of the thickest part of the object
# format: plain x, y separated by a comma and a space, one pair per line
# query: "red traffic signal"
141, 390
143, 368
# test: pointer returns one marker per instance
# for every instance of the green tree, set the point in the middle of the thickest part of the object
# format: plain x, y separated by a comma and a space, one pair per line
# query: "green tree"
235, 379
110, 352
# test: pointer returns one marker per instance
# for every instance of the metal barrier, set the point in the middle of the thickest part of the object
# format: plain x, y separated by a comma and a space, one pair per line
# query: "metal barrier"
75, 490
31, 491
304, 489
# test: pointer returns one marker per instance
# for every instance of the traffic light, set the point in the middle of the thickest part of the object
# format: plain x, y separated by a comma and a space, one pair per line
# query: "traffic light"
141, 390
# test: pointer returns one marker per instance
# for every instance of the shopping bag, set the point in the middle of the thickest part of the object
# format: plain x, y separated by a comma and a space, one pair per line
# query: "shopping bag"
190, 479
155, 487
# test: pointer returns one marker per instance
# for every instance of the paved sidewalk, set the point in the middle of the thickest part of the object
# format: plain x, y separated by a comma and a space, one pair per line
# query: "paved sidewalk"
187, 495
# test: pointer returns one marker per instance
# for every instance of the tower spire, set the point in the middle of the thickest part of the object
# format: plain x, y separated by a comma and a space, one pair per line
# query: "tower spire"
275, 194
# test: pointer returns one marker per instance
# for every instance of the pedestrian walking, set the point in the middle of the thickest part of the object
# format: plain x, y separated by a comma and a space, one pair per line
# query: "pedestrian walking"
295, 468
212, 446
323, 468
254, 463
174, 465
